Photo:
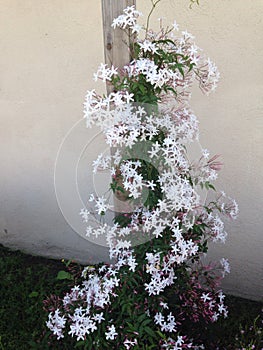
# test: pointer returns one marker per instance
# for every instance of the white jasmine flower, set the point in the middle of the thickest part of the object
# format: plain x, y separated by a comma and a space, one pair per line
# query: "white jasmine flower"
175, 26
101, 205
101, 163
159, 318
56, 323
205, 297
130, 343
136, 28
205, 153
111, 334
84, 213
225, 265
187, 35
105, 73
147, 45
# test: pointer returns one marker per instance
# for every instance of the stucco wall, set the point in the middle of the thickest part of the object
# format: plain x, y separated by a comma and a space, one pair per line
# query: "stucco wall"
49, 51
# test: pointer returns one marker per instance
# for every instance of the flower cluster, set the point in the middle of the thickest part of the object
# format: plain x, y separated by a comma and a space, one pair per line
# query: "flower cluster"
157, 280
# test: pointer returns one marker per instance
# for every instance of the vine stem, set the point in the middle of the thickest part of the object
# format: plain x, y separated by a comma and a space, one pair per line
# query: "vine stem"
150, 13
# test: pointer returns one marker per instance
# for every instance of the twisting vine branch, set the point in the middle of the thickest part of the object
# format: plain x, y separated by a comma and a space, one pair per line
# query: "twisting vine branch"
154, 4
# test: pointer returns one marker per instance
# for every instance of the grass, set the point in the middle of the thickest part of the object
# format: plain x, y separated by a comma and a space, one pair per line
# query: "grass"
27, 280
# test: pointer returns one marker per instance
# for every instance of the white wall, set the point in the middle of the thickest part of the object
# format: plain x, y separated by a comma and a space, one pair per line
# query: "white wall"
49, 51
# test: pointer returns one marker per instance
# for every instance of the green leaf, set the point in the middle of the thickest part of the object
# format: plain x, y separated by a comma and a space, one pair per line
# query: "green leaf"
212, 187
161, 334
150, 332
79, 344
142, 317
64, 275
145, 322
33, 294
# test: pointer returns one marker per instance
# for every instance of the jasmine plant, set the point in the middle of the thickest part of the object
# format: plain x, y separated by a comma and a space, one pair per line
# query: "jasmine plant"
158, 281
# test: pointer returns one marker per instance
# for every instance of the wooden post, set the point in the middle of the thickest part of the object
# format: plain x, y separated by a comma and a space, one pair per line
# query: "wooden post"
115, 40
116, 50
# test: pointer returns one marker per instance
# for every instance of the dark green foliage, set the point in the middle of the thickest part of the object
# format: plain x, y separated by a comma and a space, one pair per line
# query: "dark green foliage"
25, 282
